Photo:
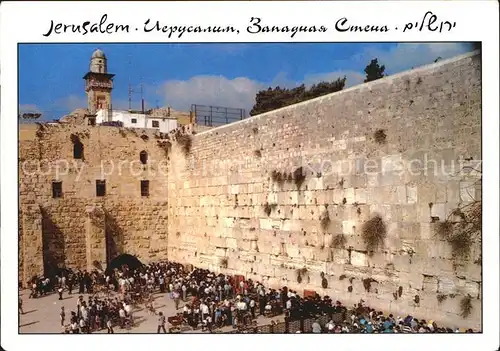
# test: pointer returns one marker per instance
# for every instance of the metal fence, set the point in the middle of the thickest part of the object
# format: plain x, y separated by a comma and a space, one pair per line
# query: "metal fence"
214, 116
291, 327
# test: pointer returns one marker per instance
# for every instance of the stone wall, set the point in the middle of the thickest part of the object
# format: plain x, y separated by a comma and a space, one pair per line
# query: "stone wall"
80, 228
236, 206
284, 198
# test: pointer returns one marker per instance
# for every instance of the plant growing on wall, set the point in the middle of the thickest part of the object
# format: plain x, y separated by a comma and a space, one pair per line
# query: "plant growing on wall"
299, 177
41, 130
165, 145
367, 282
466, 306
462, 228
338, 241
380, 136
185, 141
325, 220
374, 232
278, 177
341, 182
223, 262
441, 297
268, 208
324, 281
301, 272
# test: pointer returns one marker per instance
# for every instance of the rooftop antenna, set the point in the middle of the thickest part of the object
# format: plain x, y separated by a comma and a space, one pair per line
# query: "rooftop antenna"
129, 85
142, 98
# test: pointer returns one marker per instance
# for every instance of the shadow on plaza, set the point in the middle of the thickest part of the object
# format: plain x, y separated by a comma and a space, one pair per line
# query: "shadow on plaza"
29, 312
28, 324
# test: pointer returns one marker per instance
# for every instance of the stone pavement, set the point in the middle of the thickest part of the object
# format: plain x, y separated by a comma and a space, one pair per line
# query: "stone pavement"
42, 314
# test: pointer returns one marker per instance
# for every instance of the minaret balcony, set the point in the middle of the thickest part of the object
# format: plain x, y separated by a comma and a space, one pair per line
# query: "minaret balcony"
105, 85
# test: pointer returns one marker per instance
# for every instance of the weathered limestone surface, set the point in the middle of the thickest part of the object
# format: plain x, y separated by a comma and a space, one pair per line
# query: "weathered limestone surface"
30, 243
431, 118
66, 233
218, 206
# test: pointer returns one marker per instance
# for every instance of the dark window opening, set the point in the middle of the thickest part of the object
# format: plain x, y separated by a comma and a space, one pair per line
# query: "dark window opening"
91, 121
134, 120
144, 187
77, 147
143, 156
100, 187
56, 189
156, 124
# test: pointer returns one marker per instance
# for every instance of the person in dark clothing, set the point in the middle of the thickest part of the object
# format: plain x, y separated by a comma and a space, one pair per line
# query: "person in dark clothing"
88, 282
262, 305
70, 284
81, 283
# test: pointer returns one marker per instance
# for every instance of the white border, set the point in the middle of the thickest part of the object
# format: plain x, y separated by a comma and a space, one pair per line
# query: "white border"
476, 21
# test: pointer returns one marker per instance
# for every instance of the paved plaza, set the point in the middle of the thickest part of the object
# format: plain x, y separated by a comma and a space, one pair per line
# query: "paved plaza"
42, 314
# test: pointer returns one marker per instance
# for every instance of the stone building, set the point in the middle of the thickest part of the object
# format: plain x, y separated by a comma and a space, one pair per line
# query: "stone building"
138, 119
293, 197
98, 87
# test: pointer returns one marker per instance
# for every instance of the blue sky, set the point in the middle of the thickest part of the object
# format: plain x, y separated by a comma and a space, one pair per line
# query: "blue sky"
50, 75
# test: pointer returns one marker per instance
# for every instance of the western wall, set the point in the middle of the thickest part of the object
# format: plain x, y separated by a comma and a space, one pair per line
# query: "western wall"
235, 206
284, 197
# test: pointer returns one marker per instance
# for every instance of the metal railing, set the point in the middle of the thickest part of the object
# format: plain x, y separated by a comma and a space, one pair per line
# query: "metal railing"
214, 116
290, 327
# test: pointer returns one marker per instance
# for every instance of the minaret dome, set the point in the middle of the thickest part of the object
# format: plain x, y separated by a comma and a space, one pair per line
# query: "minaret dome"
98, 62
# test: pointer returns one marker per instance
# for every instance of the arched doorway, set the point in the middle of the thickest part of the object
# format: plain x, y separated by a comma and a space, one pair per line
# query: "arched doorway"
131, 261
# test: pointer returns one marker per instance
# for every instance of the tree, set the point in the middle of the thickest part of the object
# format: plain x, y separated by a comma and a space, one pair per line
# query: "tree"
272, 99
374, 71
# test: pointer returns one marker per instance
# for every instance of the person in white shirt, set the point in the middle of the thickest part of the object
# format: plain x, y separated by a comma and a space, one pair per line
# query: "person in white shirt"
83, 326
204, 310
84, 312
268, 307
128, 311
184, 292
243, 306
74, 328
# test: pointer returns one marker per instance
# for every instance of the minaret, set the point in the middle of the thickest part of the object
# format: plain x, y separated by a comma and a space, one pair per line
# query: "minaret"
98, 83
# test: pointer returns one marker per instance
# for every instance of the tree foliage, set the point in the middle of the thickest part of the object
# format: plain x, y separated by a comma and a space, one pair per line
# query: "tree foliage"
374, 71
272, 99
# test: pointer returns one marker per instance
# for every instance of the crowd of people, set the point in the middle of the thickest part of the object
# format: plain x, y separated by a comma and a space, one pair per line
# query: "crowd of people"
209, 302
